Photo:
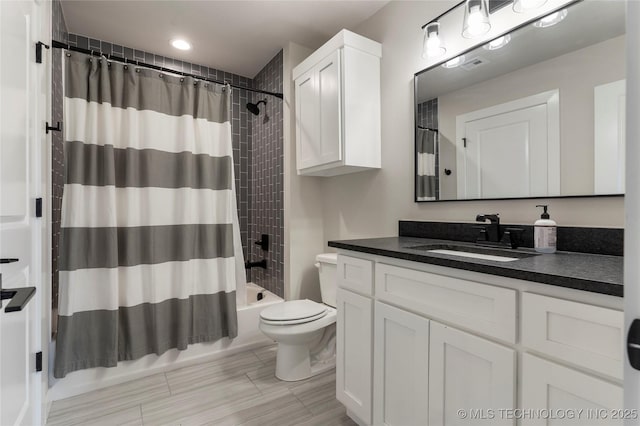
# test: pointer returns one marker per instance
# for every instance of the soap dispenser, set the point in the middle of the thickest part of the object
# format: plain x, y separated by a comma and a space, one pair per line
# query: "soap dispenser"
545, 231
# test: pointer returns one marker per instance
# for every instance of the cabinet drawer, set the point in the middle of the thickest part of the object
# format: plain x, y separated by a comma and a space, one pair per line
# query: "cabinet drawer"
487, 309
552, 387
355, 274
585, 335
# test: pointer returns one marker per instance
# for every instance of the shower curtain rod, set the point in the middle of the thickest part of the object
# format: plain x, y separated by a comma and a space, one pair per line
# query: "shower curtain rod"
61, 45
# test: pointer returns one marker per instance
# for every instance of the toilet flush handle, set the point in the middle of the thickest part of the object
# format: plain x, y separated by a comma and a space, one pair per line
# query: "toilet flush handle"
317, 265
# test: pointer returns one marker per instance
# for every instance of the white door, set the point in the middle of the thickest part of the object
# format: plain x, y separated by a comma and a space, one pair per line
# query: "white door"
509, 150
469, 373
23, 98
401, 373
609, 134
353, 353
550, 386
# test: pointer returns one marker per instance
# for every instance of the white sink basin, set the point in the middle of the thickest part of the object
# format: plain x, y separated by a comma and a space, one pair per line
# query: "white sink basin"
474, 255
474, 252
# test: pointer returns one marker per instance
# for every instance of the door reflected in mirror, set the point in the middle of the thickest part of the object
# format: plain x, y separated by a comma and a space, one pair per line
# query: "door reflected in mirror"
539, 112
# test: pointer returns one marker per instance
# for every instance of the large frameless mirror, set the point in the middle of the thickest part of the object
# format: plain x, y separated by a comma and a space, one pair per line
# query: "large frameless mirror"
539, 112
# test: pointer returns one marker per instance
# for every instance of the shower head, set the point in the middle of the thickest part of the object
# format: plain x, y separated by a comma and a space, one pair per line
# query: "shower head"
253, 108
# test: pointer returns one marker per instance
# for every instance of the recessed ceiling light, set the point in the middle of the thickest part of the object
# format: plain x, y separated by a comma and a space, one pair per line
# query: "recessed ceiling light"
181, 44
521, 6
498, 42
551, 19
458, 60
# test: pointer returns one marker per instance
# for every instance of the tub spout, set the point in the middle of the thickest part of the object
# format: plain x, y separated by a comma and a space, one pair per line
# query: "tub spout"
259, 264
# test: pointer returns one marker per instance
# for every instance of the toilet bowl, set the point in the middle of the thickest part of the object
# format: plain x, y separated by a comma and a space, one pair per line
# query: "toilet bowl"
305, 330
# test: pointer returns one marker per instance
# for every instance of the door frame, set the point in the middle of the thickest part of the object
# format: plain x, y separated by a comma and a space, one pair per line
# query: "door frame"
632, 203
549, 98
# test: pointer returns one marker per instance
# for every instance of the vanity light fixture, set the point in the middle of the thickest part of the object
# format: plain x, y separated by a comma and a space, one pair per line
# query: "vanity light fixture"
455, 62
521, 6
476, 19
431, 44
551, 19
181, 44
497, 43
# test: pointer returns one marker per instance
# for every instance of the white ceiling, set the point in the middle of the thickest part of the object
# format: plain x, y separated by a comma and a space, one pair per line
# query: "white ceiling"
235, 36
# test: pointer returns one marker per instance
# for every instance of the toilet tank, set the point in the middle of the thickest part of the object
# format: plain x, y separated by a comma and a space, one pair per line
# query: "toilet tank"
327, 268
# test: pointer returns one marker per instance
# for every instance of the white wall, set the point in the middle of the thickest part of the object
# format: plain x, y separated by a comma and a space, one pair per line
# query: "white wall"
369, 204
303, 227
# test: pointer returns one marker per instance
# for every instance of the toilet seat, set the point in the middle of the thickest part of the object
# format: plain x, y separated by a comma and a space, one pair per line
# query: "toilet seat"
293, 312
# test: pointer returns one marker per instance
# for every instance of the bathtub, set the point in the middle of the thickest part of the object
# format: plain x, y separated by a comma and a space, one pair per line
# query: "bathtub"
249, 336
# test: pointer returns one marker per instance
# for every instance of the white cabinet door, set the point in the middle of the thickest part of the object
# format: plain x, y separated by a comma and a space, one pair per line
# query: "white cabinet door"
468, 373
354, 352
401, 373
330, 109
550, 386
319, 114
307, 120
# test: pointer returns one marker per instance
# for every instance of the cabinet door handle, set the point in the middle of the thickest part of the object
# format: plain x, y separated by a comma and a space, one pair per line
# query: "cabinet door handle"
19, 297
7, 260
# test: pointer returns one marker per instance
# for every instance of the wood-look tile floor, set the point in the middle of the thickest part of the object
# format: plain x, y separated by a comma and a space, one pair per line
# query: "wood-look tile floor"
237, 390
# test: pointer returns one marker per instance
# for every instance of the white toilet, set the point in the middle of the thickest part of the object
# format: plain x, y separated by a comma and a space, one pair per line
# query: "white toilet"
305, 330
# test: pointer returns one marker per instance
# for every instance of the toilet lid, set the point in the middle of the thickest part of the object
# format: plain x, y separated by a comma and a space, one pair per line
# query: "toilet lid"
294, 310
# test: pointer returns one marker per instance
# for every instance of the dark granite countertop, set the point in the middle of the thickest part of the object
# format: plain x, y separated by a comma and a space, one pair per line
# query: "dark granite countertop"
581, 271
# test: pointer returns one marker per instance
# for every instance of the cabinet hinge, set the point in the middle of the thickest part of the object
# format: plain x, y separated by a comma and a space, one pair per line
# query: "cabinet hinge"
39, 46
38, 361
38, 207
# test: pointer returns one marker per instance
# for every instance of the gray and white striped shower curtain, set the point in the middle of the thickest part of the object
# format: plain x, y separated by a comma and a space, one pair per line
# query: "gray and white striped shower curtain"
150, 248
426, 179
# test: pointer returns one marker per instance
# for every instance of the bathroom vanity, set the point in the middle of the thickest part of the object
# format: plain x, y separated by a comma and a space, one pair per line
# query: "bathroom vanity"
437, 338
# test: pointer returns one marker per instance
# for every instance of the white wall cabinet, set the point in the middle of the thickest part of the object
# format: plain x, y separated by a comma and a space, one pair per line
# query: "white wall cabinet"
469, 373
401, 373
337, 95
354, 355
442, 340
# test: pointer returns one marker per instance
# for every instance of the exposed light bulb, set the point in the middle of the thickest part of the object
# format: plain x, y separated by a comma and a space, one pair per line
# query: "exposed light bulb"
181, 44
476, 21
551, 19
432, 47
